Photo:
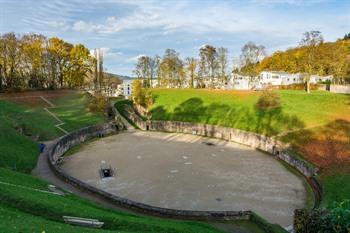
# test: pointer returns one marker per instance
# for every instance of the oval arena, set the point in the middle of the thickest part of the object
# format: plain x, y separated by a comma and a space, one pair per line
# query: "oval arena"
189, 172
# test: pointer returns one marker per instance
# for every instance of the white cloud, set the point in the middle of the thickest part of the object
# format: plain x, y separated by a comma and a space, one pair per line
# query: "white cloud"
82, 26
181, 16
134, 58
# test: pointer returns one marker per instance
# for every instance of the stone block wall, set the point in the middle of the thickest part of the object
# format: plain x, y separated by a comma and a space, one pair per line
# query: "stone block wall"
340, 89
75, 138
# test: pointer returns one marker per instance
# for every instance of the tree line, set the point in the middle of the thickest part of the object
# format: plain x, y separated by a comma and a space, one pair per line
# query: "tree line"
210, 68
207, 70
35, 61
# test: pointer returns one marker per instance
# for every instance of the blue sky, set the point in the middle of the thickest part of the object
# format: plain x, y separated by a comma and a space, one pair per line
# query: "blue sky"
127, 29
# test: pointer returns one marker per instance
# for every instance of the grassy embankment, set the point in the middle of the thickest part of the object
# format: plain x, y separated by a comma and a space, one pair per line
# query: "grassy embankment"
25, 204
317, 125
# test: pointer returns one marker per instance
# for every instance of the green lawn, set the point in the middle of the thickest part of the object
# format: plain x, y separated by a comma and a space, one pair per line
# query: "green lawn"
237, 109
336, 188
317, 124
24, 194
72, 111
17, 221
17, 150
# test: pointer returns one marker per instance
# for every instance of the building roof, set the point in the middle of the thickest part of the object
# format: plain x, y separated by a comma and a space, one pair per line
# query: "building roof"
276, 72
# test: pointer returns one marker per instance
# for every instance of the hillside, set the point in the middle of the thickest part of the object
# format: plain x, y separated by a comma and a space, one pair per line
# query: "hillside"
328, 58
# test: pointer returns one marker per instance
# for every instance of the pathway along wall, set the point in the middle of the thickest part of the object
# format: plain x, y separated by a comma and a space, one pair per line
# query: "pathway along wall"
278, 149
63, 144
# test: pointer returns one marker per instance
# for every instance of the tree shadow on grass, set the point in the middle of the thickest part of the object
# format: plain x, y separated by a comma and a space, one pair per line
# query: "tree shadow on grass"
268, 122
326, 146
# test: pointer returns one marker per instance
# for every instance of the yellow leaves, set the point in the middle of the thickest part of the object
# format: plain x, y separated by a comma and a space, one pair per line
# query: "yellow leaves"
325, 58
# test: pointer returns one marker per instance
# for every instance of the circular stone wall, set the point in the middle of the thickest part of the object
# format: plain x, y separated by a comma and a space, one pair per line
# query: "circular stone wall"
188, 172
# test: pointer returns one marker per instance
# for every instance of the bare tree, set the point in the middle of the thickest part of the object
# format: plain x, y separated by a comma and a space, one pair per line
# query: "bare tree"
191, 65
142, 70
250, 55
310, 40
153, 68
10, 57
208, 58
170, 67
222, 64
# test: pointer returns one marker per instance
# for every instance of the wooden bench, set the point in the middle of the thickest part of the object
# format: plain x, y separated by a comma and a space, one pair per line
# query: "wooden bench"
85, 222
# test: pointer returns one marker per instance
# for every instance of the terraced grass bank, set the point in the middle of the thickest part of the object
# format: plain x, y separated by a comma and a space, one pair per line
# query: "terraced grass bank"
317, 125
24, 122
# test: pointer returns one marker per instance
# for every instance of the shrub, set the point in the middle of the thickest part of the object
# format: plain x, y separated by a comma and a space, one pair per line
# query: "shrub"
306, 221
268, 100
97, 103
140, 95
299, 86
337, 219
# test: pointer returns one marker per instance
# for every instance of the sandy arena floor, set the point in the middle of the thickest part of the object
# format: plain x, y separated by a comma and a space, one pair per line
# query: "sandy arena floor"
182, 172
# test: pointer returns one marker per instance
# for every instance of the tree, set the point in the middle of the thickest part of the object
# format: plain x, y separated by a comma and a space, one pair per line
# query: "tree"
10, 57
80, 65
222, 64
208, 56
347, 36
310, 40
33, 47
2, 61
153, 68
140, 95
191, 65
142, 70
330, 58
60, 51
34, 61
170, 69
251, 54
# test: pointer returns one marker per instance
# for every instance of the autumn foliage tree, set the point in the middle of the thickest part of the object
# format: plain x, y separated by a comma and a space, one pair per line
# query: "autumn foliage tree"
34, 61
314, 58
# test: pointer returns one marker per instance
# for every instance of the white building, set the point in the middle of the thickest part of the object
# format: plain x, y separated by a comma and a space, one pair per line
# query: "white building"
284, 78
239, 82
125, 88
319, 79
279, 78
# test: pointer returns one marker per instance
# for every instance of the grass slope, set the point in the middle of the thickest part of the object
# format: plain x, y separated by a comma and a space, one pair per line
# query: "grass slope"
24, 194
72, 111
237, 109
17, 150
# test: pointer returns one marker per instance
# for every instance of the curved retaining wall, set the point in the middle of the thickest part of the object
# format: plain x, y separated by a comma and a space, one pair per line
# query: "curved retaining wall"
68, 141
257, 141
